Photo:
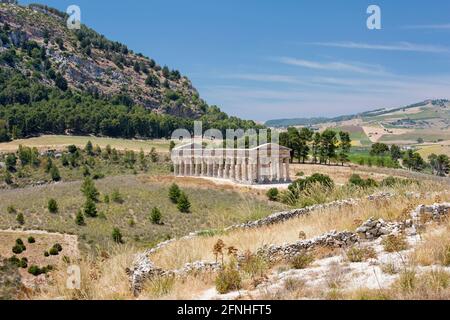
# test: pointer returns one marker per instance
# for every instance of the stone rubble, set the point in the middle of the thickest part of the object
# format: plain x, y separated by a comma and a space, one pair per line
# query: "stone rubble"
370, 230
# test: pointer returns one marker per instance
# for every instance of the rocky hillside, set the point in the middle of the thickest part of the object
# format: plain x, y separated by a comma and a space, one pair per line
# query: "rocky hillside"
91, 63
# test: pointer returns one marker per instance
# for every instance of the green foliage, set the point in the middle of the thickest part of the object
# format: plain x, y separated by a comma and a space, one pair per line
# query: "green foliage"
183, 203
79, 218
117, 197
356, 180
379, 149
31, 240
300, 185
440, 164
53, 251
174, 193
272, 194
52, 206
11, 162
90, 209
155, 216
20, 218
89, 190
117, 235
414, 161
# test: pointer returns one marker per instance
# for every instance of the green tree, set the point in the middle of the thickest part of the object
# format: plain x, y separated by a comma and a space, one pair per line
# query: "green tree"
79, 218
440, 164
379, 149
155, 216
52, 206
4, 135
90, 209
396, 153
305, 136
344, 147
183, 203
174, 193
328, 146
89, 148
89, 190
272, 194
11, 162
54, 173
414, 161
20, 218
153, 155
316, 147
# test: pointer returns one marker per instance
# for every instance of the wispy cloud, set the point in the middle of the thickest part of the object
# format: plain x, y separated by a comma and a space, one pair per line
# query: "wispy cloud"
400, 46
334, 66
429, 27
264, 77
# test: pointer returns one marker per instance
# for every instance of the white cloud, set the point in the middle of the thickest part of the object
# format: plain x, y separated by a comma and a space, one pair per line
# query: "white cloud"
400, 46
334, 66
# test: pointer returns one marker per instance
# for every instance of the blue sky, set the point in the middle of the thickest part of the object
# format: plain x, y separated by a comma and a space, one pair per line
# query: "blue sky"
261, 59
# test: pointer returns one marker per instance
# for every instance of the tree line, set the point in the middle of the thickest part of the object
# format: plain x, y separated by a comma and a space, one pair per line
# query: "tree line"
323, 148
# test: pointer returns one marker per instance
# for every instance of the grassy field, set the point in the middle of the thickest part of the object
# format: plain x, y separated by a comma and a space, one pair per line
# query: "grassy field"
212, 207
60, 142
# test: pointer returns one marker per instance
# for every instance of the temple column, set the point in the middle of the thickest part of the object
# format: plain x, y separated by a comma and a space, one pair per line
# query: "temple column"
288, 176
232, 169
192, 167
250, 172
198, 167
238, 170
176, 168
244, 170
227, 168
203, 168
221, 171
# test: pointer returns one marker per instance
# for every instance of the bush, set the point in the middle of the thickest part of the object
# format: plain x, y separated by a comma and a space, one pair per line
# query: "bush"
31, 240
54, 173
117, 235
34, 270
117, 197
301, 260
52, 206
228, 279
53, 251
23, 263
356, 180
357, 254
394, 243
46, 254
183, 203
20, 218
174, 193
17, 249
11, 210
58, 247
79, 218
272, 194
155, 216
90, 209
301, 185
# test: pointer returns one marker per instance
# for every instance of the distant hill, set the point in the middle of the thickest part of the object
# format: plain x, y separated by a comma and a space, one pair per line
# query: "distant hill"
57, 80
280, 123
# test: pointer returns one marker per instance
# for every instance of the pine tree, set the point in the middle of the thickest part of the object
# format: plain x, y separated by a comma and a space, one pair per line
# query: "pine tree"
79, 218
90, 209
155, 216
89, 190
183, 203
174, 193
52, 206
54, 173
89, 148
20, 218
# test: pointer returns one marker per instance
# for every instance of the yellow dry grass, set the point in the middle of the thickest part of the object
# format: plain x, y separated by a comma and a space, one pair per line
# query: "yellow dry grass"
321, 221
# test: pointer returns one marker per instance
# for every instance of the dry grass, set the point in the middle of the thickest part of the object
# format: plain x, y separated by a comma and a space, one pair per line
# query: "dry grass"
435, 247
319, 222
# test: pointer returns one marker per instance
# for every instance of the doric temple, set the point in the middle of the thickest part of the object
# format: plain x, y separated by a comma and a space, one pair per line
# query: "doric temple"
267, 163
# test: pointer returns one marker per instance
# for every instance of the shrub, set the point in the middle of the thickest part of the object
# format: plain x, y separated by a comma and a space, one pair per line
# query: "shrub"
174, 193
58, 247
23, 263
19, 242
52, 206
34, 270
272, 194
254, 265
31, 240
53, 251
228, 279
394, 243
301, 185
20, 218
11, 210
46, 254
79, 218
183, 203
301, 260
89, 190
90, 209
357, 254
117, 235
117, 197
17, 249
155, 216
356, 180
54, 173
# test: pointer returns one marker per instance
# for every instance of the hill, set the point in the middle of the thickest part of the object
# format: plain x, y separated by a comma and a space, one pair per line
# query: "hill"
428, 121
57, 80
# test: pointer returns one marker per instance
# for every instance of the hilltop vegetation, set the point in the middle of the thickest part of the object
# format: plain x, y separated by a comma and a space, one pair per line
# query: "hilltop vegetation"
56, 80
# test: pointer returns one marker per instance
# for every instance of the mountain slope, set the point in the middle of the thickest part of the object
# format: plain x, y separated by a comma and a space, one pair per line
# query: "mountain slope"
59, 81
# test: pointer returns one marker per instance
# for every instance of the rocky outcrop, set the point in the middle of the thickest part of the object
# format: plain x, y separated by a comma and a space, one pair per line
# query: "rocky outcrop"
373, 229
